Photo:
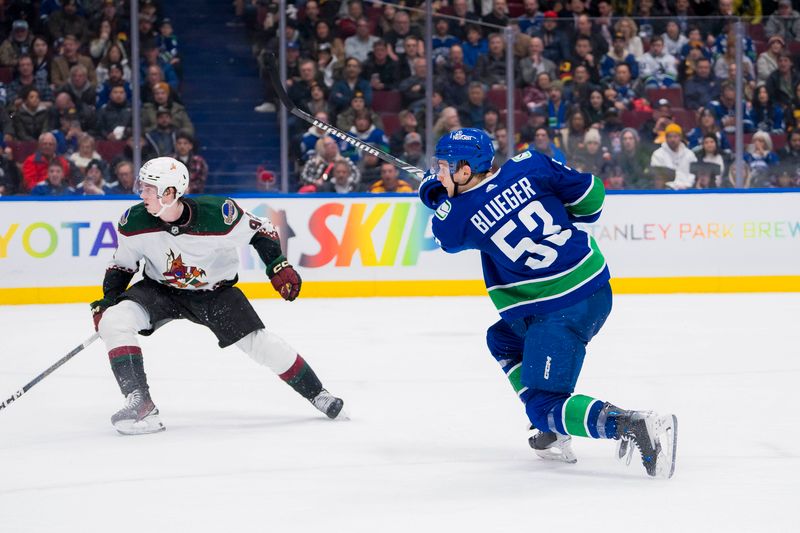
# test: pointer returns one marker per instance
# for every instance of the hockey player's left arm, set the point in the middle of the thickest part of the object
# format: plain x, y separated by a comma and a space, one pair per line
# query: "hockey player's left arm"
582, 193
282, 275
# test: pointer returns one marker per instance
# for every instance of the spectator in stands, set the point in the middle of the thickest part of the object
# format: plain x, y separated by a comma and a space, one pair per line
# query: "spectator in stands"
34, 168
385, 20
41, 59
442, 41
114, 56
675, 155
543, 143
582, 56
10, 178
68, 132
474, 46
709, 152
123, 173
785, 22
98, 47
342, 180
55, 184
401, 28
471, 113
380, 70
94, 182
323, 35
765, 114
616, 55
572, 135
162, 100
32, 117
585, 28
26, 78
578, 89
309, 139
369, 168
448, 121
347, 23
555, 40
367, 132
300, 90
500, 142
319, 100
658, 68
61, 65
85, 153
535, 63
147, 33
595, 157
707, 125
343, 90
151, 58
491, 120
790, 154
454, 60
82, 91
362, 42
160, 139
114, 120
556, 106
674, 40
67, 21
115, 77
784, 176
702, 87
405, 62
633, 43
390, 181
535, 96
490, 69
307, 25
18, 43
530, 22
464, 18
768, 59
455, 88
167, 43
413, 151
760, 157
346, 119
498, 16
108, 12
723, 63
318, 170
408, 124
632, 159
197, 166
725, 109
413, 87
781, 82
595, 108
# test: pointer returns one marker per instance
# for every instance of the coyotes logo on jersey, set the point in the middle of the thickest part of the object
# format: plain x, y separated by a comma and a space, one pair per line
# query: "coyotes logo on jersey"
182, 276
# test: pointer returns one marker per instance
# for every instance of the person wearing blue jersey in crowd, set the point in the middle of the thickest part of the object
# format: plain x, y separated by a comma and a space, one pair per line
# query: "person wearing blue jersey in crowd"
550, 284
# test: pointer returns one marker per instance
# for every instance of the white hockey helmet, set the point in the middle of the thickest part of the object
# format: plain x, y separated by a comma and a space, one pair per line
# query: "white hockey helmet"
163, 173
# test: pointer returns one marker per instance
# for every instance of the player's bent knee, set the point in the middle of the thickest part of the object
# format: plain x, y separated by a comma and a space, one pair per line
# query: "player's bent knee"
502, 341
269, 350
124, 318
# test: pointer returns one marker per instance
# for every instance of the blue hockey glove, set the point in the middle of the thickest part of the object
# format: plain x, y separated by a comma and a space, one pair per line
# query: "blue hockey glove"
431, 192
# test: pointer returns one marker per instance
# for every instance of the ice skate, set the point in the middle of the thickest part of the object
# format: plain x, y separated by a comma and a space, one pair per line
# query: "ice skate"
552, 446
656, 437
138, 416
329, 404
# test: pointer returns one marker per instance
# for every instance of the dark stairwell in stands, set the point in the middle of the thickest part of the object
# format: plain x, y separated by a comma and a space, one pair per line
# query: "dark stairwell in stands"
220, 89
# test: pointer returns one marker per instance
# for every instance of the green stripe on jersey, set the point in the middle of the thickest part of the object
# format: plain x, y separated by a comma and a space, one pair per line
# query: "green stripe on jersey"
515, 377
575, 411
525, 292
592, 200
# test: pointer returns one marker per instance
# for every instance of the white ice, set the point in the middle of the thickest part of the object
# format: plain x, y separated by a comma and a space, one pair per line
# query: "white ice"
436, 441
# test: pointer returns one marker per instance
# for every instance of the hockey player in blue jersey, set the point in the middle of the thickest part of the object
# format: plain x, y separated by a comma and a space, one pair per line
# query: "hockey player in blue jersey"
550, 284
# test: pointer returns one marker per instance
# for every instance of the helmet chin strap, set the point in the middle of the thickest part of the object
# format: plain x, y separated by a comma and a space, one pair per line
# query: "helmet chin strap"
457, 184
164, 207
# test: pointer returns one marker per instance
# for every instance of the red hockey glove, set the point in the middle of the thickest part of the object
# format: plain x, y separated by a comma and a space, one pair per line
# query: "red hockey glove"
284, 278
98, 308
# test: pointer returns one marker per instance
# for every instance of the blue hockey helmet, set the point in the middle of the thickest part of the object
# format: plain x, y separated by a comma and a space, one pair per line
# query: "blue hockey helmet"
472, 145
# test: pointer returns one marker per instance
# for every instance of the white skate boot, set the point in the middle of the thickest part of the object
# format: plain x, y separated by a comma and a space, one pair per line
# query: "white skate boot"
138, 416
552, 446
655, 436
329, 404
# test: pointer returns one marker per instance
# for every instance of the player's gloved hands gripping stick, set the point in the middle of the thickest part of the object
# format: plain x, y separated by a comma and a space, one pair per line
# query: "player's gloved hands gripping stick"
98, 308
431, 192
284, 278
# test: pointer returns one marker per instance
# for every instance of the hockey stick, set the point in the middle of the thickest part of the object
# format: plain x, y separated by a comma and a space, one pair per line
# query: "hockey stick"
49, 371
272, 69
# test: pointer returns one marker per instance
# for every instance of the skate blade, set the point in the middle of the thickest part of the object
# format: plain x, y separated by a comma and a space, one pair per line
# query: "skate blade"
666, 431
560, 451
342, 416
624, 451
150, 424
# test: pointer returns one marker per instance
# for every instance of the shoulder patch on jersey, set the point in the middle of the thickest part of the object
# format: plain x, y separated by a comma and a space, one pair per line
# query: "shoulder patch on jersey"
443, 210
136, 220
522, 156
124, 218
229, 212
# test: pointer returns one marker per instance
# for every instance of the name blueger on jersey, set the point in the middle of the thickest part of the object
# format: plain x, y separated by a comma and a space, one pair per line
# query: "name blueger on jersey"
502, 205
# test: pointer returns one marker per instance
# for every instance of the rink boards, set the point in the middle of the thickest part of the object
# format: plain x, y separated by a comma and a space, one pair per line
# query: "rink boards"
56, 250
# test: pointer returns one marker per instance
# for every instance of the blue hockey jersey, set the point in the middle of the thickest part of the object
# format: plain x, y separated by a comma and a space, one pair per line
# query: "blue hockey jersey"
521, 219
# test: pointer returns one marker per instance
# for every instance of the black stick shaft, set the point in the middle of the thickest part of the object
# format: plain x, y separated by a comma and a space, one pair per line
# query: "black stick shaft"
49, 371
272, 69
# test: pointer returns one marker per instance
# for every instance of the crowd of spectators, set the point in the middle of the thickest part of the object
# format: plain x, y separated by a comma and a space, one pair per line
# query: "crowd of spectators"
642, 93
65, 97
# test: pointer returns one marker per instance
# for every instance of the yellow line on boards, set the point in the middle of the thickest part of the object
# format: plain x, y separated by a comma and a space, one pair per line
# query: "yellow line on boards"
366, 289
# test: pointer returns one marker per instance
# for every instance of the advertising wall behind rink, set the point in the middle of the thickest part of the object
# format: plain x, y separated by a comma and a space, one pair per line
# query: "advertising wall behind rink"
57, 251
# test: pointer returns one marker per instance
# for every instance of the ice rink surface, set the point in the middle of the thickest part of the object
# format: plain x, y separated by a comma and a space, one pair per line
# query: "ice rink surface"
436, 440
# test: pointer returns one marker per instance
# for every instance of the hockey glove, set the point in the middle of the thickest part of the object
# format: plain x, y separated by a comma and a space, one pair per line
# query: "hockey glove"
98, 308
284, 278
431, 192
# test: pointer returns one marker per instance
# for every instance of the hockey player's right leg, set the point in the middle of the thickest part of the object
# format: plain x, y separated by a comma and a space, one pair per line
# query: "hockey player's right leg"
118, 329
269, 350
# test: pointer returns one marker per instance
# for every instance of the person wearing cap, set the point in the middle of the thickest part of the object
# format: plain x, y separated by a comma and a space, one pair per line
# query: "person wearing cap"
17, 44
162, 97
390, 181
413, 152
674, 154
346, 119
618, 54
67, 21
768, 59
784, 22
359, 45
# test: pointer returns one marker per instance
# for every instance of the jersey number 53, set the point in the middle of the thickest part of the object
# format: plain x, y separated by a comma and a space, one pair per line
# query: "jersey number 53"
552, 233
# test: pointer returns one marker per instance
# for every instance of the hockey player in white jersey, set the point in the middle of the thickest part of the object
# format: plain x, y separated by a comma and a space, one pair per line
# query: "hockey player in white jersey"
189, 247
